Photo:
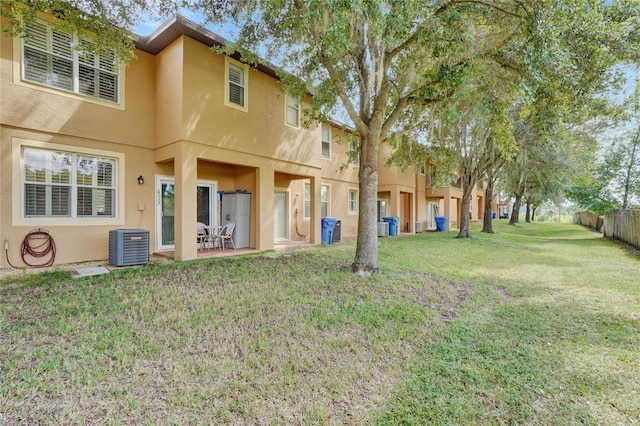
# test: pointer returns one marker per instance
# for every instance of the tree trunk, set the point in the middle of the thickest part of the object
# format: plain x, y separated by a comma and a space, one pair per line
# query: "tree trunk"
465, 208
527, 215
533, 213
515, 212
487, 220
366, 259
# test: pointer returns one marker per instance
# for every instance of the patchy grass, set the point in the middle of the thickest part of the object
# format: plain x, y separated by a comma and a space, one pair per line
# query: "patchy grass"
538, 324
276, 339
549, 336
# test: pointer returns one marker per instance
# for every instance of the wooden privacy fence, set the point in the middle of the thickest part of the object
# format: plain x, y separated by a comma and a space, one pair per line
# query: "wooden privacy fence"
623, 225
589, 219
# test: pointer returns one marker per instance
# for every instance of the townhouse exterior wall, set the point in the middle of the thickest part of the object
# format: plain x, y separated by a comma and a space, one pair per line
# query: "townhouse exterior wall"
173, 128
39, 117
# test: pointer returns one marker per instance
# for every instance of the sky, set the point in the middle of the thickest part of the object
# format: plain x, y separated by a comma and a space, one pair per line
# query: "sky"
148, 25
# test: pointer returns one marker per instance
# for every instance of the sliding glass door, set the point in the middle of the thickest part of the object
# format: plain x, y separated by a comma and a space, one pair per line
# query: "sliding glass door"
206, 209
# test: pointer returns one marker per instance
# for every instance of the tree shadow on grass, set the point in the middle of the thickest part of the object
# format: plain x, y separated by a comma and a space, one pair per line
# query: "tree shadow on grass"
524, 362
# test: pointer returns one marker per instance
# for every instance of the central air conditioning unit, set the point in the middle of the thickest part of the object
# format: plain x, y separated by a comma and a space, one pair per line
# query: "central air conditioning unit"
383, 229
128, 247
337, 232
418, 227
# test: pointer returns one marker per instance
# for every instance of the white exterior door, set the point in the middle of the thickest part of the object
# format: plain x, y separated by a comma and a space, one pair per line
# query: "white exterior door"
281, 216
433, 210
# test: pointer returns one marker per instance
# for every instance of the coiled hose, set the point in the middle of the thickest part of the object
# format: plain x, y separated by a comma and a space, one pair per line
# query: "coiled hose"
38, 243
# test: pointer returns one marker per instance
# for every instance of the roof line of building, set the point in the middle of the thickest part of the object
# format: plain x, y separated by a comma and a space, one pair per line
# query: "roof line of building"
177, 26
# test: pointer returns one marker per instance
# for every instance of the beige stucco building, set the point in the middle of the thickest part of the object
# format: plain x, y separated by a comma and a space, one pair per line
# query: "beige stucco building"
87, 148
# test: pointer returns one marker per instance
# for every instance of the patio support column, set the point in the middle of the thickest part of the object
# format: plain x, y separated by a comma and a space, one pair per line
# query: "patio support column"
186, 172
448, 207
265, 185
315, 227
412, 212
394, 203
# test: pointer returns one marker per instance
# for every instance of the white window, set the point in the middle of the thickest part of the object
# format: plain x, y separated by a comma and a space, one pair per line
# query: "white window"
68, 185
326, 141
324, 200
293, 111
382, 209
236, 88
354, 151
353, 201
307, 200
57, 59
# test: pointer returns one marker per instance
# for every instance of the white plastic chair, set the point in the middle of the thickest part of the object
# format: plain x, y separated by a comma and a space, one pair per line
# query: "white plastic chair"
226, 235
202, 234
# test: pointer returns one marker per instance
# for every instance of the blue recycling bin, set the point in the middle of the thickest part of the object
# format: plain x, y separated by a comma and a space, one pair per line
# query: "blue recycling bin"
506, 215
494, 215
441, 223
328, 224
393, 221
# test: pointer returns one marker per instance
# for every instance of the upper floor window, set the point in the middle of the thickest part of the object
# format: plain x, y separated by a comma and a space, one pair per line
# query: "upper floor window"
326, 141
353, 201
236, 88
68, 185
354, 151
307, 200
423, 169
57, 59
293, 111
431, 177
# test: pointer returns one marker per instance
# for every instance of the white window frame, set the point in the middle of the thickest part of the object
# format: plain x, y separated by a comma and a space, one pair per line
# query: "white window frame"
307, 201
231, 63
352, 201
382, 205
326, 141
354, 156
19, 217
20, 46
327, 201
292, 104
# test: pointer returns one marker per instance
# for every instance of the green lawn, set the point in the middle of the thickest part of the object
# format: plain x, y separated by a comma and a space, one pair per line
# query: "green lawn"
537, 324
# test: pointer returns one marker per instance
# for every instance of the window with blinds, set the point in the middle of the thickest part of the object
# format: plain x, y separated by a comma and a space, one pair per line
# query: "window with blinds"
293, 110
60, 60
326, 141
236, 84
63, 184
